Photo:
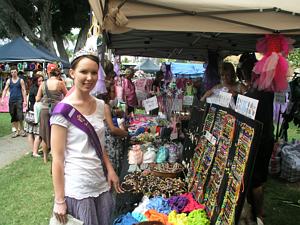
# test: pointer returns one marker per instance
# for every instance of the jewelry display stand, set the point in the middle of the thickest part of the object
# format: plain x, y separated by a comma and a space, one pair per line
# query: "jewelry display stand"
222, 163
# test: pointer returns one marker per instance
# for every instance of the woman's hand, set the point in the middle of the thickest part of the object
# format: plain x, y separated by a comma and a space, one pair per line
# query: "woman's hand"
60, 212
113, 180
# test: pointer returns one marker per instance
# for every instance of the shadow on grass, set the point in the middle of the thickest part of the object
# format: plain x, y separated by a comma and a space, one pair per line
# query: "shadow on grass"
278, 212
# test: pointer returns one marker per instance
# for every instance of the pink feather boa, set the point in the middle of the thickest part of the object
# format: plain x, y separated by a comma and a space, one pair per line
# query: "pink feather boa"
273, 67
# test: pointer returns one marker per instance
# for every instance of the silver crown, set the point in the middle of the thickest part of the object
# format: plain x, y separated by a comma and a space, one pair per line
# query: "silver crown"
84, 51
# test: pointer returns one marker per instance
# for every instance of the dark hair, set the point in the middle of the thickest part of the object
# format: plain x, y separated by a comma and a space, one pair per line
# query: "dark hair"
228, 70
246, 63
35, 79
75, 62
13, 68
108, 67
55, 72
159, 74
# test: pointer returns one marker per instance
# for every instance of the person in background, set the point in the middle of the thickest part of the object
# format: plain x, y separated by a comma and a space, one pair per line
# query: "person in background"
81, 186
228, 83
156, 88
17, 100
129, 94
264, 114
49, 94
32, 130
199, 87
114, 128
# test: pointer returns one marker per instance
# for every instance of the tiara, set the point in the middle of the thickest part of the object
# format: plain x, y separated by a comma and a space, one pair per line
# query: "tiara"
84, 51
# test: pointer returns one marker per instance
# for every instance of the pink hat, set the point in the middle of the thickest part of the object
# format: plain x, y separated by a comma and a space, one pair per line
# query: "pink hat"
50, 67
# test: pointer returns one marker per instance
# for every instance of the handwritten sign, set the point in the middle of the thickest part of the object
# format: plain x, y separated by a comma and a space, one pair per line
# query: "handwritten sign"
188, 100
220, 98
246, 106
150, 104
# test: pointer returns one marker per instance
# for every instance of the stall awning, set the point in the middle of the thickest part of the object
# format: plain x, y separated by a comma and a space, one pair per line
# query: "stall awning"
187, 29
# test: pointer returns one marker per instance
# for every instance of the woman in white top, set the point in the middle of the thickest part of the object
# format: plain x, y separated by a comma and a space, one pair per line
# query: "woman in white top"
228, 83
80, 186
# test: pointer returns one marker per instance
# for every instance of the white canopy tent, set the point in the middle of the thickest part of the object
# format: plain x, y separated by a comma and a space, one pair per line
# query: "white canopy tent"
176, 27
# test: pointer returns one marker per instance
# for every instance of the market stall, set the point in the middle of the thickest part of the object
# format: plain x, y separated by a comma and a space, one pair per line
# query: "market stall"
221, 163
214, 178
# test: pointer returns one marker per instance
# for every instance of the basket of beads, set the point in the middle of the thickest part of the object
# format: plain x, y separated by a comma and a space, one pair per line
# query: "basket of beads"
171, 170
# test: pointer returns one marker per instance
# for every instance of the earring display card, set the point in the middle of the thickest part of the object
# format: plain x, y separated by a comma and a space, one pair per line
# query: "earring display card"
220, 172
209, 120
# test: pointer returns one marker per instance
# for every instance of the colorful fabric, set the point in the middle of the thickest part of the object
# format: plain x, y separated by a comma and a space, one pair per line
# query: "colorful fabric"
153, 215
178, 219
160, 205
127, 219
192, 203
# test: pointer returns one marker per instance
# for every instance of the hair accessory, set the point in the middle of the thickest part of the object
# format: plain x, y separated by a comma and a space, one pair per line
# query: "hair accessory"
84, 51
50, 67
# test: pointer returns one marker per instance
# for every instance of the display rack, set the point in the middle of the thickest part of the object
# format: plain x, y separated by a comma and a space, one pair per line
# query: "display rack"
222, 163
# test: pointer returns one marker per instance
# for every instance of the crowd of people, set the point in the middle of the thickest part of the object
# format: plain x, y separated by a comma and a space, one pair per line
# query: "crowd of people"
87, 152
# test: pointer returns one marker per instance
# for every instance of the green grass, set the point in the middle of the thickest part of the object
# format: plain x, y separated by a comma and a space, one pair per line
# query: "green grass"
5, 125
277, 212
293, 132
26, 193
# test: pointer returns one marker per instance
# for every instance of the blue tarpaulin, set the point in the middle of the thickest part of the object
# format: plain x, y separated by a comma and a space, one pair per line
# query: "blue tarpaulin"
20, 50
187, 69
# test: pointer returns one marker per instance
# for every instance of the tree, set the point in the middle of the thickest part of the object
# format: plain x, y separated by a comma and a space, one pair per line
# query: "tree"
294, 58
45, 22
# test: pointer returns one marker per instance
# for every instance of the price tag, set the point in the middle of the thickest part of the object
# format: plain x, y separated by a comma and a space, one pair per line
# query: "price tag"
188, 100
246, 106
280, 98
210, 138
150, 104
220, 98
224, 98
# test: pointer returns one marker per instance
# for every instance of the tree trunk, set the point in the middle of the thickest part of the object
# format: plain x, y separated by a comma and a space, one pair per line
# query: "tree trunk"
82, 36
9, 26
61, 48
46, 25
19, 20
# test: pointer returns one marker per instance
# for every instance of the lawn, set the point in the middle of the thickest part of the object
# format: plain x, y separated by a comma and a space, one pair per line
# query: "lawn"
5, 125
26, 193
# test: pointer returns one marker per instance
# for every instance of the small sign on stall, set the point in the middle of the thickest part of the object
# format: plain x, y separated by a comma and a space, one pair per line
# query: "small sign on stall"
188, 100
210, 138
280, 97
150, 104
221, 98
246, 106
177, 105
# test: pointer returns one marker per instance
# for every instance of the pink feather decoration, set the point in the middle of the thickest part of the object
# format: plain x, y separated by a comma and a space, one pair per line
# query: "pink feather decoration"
272, 69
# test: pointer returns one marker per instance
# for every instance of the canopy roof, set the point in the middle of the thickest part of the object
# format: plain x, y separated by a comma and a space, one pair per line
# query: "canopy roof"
147, 66
20, 50
187, 29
